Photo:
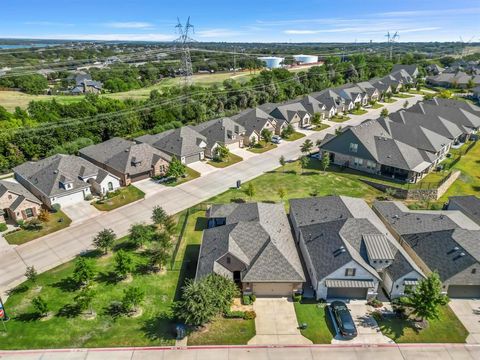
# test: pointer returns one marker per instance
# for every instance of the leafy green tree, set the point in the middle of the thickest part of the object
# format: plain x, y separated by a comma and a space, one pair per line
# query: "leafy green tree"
40, 306
307, 146
124, 263
250, 190
325, 162
159, 256
84, 271
288, 131
159, 215
84, 299
221, 153
304, 162
317, 119
104, 240
282, 162
384, 112
176, 169
170, 225
132, 299
31, 274
266, 135
140, 234
470, 84
426, 297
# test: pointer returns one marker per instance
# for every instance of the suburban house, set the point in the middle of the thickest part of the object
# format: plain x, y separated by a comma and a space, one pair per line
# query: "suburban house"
395, 83
434, 69
369, 147
185, 143
251, 244
314, 106
127, 160
459, 79
84, 84
372, 92
443, 241
17, 203
348, 252
469, 205
382, 87
64, 179
292, 113
352, 94
411, 70
474, 109
331, 100
254, 121
224, 132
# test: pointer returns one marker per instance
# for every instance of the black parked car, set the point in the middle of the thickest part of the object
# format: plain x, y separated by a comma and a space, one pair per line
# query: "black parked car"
343, 319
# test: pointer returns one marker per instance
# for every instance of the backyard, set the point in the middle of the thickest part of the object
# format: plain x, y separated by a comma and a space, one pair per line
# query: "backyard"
118, 198
58, 220
319, 328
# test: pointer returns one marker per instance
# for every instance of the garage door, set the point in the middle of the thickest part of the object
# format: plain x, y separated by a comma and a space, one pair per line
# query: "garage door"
69, 199
273, 289
464, 291
347, 293
138, 177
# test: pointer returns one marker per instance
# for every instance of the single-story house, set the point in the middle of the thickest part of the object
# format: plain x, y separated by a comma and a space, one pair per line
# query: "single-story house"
17, 203
64, 179
185, 143
331, 99
443, 241
411, 70
314, 106
469, 205
224, 132
292, 112
383, 88
352, 94
348, 252
251, 244
254, 121
372, 92
457, 79
127, 160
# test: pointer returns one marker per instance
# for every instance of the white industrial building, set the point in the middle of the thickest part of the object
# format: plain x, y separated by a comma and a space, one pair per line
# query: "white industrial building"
306, 59
272, 62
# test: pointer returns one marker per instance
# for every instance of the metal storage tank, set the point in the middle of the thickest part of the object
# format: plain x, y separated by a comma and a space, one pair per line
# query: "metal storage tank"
306, 59
272, 62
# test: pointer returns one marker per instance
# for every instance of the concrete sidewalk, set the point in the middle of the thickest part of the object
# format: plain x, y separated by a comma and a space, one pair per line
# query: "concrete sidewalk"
60, 247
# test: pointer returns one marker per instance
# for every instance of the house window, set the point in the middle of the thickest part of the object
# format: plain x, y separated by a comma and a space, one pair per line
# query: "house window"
350, 272
370, 164
353, 147
110, 186
474, 271
229, 260
29, 212
358, 162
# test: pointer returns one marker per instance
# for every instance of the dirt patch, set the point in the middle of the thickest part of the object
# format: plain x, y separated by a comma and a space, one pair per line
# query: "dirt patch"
238, 306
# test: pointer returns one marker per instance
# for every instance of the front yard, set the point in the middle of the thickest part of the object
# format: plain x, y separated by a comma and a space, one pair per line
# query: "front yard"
119, 197
58, 220
232, 159
295, 136
223, 331
358, 112
339, 118
315, 315
190, 174
447, 329
262, 147
321, 127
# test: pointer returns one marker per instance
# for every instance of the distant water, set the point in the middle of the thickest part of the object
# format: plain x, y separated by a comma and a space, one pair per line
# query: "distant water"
25, 46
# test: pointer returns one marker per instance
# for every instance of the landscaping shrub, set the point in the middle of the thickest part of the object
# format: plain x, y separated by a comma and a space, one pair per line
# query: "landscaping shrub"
234, 315
246, 300
250, 315
56, 207
253, 297
297, 297
375, 303
89, 197
3, 227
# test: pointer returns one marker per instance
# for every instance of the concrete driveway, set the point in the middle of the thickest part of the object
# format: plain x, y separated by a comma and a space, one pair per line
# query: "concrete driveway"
367, 328
276, 323
149, 186
468, 312
202, 167
81, 211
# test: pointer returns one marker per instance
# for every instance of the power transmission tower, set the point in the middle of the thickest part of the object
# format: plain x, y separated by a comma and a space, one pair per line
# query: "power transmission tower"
391, 39
183, 41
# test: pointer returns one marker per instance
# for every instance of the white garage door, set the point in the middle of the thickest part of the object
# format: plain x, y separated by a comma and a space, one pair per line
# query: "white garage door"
69, 199
273, 289
234, 145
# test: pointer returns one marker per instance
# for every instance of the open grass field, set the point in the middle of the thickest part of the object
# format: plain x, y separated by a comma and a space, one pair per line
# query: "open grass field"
446, 329
57, 221
120, 197
319, 328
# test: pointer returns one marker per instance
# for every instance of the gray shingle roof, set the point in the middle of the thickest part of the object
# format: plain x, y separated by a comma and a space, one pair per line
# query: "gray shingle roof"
127, 157
220, 130
460, 115
469, 205
180, 142
259, 235
18, 189
253, 120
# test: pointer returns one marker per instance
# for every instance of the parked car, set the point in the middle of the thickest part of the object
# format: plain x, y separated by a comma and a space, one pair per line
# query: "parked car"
276, 139
343, 319
316, 156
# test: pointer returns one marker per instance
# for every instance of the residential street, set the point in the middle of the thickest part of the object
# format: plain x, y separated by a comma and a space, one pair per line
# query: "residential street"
300, 352
57, 248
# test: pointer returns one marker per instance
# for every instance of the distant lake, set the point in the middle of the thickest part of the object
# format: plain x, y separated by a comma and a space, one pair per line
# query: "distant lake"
25, 46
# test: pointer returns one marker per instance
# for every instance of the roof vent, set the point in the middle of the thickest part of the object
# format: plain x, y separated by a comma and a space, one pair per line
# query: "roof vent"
462, 254
55, 171
456, 248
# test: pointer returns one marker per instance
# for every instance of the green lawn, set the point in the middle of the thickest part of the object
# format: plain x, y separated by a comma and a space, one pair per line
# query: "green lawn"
295, 136
232, 159
339, 118
389, 101
313, 182
120, 197
223, 331
58, 220
358, 112
321, 127
315, 315
190, 174
403, 96
447, 329
262, 147
376, 106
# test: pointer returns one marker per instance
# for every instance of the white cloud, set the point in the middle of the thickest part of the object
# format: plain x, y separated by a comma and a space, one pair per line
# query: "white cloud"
99, 37
128, 25
217, 33
441, 12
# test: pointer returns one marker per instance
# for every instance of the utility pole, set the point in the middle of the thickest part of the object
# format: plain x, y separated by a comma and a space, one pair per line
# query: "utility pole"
183, 40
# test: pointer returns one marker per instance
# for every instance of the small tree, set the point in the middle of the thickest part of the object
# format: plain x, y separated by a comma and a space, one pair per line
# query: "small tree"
33, 224
159, 257
282, 162
44, 215
84, 299
304, 162
470, 84
40, 306
140, 234
384, 112
250, 190
426, 297
124, 263
221, 153
266, 135
288, 131
317, 119
84, 271
281, 193
104, 240
176, 169
405, 104
253, 141
325, 161
170, 225
31, 274
132, 299
307, 146
158, 215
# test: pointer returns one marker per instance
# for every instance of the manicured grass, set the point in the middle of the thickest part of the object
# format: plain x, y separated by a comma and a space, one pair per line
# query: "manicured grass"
376, 106
262, 147
232, 159
389, 101
190, 174
58, 220
120, 197
447, 329
315, 315
321, 127
358, 112
11, 99
312, 182
403, 96
295, 136
339, 118
223, 331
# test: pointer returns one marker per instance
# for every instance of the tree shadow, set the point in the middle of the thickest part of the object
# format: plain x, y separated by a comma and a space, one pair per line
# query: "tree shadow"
238, 200
201, 223
189, 266
93, 254
309, 173
28, 317
69, 311
125, 245
20, 289
67, 284
109, 278
394, 327
160, 328
114, 309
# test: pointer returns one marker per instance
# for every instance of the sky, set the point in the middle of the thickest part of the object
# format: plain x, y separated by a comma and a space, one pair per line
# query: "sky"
242, 21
